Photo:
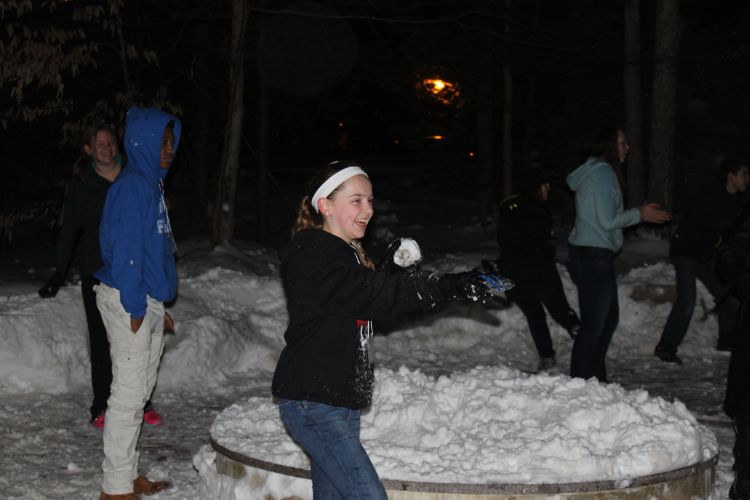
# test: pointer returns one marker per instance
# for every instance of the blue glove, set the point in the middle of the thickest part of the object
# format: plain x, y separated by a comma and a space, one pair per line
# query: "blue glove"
497, 284
470, 286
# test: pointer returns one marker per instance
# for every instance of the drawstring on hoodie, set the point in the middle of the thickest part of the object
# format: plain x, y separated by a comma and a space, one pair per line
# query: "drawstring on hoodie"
163, 208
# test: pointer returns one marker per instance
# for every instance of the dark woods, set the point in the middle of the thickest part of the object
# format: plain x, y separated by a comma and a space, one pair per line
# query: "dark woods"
475, 90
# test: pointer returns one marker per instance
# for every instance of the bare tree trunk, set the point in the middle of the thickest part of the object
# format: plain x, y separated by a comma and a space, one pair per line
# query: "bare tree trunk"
486, 134
666, 48
507, 129
114, 7
531, 87
636, 192
200, 123
227, 189
264, 147
507, 109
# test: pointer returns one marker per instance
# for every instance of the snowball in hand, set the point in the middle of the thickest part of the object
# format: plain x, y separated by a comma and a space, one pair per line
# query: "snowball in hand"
408, 253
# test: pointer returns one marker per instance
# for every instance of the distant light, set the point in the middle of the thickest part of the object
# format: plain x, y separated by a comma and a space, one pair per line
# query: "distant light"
472, 154
341, 124
396, 141
437, 85
436, 137
443, 91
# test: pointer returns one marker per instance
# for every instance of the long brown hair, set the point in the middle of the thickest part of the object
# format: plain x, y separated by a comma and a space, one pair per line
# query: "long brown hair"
309, 218
606, 149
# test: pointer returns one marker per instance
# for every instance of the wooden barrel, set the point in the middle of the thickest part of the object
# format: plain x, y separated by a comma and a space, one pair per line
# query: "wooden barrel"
693, 482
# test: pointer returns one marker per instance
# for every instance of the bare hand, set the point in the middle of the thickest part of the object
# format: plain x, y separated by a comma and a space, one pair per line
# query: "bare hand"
135, 323
168, 322
650, 212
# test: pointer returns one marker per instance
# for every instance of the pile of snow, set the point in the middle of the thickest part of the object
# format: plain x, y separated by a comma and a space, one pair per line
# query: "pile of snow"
495, 425
229, 318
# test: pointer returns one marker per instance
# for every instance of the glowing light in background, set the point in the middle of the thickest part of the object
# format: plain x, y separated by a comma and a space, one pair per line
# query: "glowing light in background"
443, 91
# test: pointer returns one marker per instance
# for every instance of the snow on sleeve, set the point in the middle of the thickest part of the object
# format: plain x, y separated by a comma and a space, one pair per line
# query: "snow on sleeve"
495, 425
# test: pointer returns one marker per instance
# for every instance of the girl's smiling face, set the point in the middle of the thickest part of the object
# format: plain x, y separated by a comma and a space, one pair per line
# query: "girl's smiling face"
349, 211
103, 149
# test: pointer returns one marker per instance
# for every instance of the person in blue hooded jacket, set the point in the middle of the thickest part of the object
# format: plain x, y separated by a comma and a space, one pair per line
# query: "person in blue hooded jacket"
592, 245
137, 276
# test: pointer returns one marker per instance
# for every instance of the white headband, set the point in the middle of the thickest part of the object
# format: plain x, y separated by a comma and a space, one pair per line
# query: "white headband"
333, 182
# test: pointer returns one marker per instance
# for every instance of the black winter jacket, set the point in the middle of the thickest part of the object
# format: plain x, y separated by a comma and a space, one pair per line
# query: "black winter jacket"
733, 263
330, 300
80, 226
704, 223
524, 233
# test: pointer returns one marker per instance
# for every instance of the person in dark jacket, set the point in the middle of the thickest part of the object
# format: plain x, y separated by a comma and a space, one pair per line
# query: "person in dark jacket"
734, 266
137, 276
324, 375
693, 253
82, 214
527, 257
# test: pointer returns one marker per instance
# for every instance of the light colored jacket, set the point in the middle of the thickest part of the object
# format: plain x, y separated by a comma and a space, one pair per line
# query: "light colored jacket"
600, 217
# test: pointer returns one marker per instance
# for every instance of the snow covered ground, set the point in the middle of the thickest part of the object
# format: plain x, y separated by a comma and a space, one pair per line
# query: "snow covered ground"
230, 318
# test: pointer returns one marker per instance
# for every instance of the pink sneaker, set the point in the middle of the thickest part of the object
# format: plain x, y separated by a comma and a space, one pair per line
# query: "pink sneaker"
98, 421
151, 417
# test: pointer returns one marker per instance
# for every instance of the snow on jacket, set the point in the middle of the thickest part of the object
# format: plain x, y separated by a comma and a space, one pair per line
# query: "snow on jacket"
135, 235
80, 225
331, 299
600, 217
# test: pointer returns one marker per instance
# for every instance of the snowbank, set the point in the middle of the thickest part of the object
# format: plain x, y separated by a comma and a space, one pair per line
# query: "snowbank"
229, 318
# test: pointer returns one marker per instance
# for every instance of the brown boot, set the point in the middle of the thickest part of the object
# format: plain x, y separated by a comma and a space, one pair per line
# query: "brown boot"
123, 496
141, 485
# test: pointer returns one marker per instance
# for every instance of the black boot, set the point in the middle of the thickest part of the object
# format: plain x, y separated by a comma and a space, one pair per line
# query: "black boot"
667, 355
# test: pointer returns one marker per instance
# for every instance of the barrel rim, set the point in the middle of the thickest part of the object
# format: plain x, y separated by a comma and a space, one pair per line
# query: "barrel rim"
433, 487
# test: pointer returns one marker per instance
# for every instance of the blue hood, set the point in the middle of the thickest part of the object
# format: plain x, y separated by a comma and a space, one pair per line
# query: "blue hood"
144, 130
135, 236
600, 215
577, 177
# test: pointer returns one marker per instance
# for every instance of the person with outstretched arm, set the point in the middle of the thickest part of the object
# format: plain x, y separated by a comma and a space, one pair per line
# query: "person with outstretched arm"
593, 244
324, 377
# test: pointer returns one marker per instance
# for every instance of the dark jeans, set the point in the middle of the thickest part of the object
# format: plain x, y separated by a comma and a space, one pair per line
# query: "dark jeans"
532, 305
101, 362
329, 435
741, 452
593, 271
687, 270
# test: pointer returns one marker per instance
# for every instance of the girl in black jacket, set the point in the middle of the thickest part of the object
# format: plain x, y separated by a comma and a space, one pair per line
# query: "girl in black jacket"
324, 376
82, 213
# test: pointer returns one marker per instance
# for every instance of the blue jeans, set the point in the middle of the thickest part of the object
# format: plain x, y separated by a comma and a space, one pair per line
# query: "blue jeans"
593, 271
329, 435
687, 270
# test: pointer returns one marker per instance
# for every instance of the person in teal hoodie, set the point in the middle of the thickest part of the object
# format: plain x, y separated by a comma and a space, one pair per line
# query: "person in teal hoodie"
137, 276
592, 245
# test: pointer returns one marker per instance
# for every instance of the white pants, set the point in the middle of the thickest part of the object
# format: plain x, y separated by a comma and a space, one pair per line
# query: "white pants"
135, 361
